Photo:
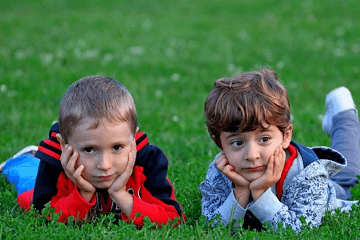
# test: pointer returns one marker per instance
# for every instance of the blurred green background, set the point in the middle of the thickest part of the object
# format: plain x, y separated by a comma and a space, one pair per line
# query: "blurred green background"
168, 54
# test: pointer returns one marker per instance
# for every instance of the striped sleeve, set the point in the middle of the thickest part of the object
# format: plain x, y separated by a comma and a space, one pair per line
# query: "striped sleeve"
50, 149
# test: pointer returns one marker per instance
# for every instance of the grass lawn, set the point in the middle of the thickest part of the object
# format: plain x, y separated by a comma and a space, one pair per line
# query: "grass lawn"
168, 54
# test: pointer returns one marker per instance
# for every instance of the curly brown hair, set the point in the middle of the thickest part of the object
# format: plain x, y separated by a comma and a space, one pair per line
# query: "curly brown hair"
246, 102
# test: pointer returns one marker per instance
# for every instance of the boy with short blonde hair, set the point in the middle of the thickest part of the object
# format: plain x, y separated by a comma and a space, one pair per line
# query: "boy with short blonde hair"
261, 175
95, 160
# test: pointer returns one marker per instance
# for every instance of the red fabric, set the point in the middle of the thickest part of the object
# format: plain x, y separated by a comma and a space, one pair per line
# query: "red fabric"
69, 201
25, 199
152, 191
287, 166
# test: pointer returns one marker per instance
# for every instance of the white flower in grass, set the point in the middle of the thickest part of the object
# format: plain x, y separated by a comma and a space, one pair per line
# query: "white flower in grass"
3, 88
18, 72
231, 67
126, 59
291, 117
280, 65
77, 53
20, 54
170, 52
355, 48
319, 43
308, 4
108, 57
137, 50
172, 42
243, 34
340, 31
81, 43
46, 59
175, 77
293, 85
147, 24
339, 52
60, 53
175, 118
321, 117
91, 53
158, 93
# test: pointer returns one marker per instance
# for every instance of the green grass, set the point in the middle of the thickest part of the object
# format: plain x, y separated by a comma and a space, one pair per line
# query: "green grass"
168, 54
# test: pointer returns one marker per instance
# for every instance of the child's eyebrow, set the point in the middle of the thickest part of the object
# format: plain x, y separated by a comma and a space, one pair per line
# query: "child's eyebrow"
234, 134
264, 130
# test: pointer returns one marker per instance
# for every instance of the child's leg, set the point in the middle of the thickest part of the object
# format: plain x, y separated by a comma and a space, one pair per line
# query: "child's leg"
342, 124
345, 136
21, 169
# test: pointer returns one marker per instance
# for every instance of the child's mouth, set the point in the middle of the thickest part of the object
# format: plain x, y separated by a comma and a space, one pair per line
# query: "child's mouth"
256, 169
105, 178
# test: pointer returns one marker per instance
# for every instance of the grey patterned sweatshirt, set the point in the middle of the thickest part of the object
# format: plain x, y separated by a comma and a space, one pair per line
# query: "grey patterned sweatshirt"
306, 192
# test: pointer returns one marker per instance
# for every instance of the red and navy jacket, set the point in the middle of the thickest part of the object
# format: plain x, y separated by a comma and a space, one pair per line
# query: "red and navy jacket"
152, 191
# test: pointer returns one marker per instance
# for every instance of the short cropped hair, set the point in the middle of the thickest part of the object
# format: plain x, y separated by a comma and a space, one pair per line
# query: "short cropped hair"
96, 98
246, 102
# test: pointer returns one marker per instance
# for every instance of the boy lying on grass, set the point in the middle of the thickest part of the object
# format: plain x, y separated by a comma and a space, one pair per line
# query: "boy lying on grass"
95, 160
260, 175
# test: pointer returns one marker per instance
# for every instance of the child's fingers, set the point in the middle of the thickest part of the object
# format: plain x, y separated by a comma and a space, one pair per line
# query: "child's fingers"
65, 155
221, 162
77, 173
279, 161
72, 161
131, 162
270, 167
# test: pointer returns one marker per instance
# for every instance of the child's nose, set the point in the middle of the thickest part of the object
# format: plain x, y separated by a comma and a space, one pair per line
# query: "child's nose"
252, 152
105, 162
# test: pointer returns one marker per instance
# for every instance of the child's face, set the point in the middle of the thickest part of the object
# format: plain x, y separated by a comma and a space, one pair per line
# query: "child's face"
249, 152
103, 150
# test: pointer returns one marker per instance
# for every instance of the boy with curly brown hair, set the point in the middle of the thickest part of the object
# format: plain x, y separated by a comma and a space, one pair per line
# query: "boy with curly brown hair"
260, 174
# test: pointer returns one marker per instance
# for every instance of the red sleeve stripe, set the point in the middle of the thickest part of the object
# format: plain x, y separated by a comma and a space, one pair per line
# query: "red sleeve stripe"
139, 135
49, 152
53, 134
142, 144
52, 143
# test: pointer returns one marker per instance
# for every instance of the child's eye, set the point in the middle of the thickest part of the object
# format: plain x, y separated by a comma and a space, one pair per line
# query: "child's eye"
237, 143
89, 150
117, 147
264, 139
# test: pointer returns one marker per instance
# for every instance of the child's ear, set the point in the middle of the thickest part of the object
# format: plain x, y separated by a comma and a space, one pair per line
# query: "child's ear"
61, 140
287, 137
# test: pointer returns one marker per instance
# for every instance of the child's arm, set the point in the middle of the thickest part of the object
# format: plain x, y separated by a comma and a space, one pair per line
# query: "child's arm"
154, 195
241, 190
118, 192
218, 196
49, 169
68, 160
271, 176
309, 194
69, 202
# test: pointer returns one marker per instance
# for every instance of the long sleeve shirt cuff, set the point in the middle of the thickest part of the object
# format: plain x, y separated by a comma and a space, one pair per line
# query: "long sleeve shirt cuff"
231, 209
266, 206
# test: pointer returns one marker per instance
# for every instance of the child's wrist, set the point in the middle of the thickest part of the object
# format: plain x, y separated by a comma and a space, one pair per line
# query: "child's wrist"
242, 196
87, 196
124, 200
256, 194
